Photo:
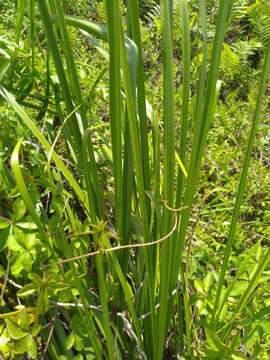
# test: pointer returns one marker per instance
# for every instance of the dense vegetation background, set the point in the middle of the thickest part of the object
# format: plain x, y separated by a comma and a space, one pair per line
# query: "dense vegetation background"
101, 145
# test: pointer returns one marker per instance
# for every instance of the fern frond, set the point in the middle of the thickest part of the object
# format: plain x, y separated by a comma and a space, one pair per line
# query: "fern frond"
245, 49
259, 14
230, 62
150, 10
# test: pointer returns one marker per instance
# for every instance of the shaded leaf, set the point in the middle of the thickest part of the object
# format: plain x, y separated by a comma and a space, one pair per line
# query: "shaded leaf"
4, 234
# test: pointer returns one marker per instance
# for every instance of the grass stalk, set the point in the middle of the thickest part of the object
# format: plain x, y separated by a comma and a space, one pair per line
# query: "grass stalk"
113, 20
186, 53
169, 168
198, 150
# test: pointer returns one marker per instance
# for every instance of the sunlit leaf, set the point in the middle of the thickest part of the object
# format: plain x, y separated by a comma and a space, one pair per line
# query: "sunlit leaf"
15, 332
4, 223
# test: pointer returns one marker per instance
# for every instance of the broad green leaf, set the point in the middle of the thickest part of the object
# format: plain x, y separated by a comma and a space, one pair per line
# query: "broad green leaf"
69, 342
14, 245
24, 320
27, 344
43, 301
4, 343
26, 225
31, 347
78, 357
19, 209
223, 311
90, 356
265, 324
79, 343
35, 329
28, 239
22, 262
207, 282
4, 223
239, 288
15, 332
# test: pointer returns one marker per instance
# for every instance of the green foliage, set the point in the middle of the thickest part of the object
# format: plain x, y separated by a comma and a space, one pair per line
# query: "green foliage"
134, 158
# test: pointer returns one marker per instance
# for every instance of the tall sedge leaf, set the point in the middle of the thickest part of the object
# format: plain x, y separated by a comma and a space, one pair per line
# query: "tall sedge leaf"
169, 167
81, 112
139, 83
133, 16
129, 62
72, 71
186, 54
90, 172
114, 31
201, 85
197, 152
72, 131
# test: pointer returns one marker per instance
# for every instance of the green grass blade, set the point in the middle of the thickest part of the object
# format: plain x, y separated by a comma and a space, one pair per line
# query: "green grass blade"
169, 169
133, 17
197, 152
73, 132
114, 30
186, 53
